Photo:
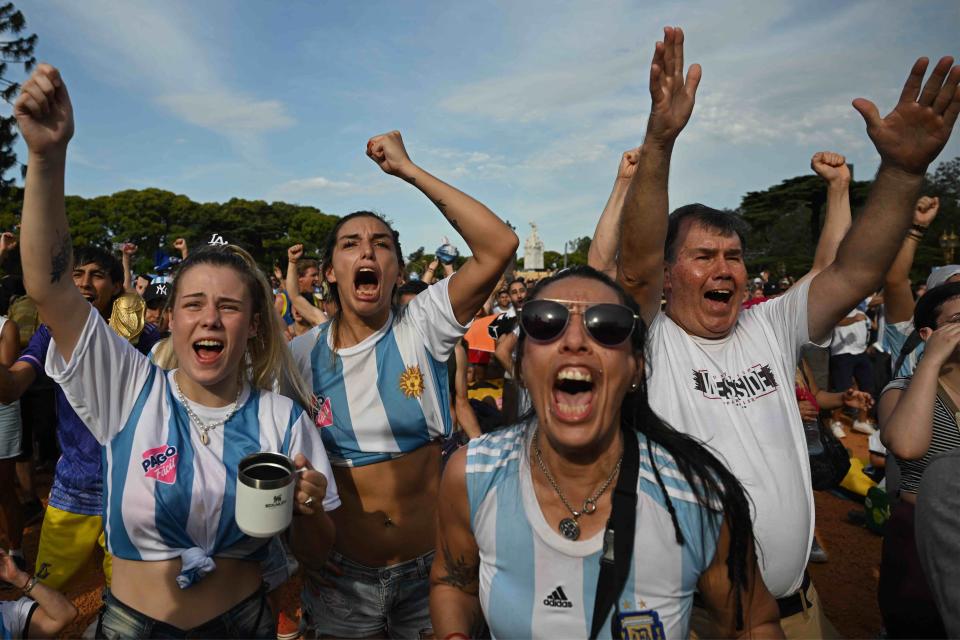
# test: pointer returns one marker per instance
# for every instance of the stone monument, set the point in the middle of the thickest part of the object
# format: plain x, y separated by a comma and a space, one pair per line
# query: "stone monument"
533, 250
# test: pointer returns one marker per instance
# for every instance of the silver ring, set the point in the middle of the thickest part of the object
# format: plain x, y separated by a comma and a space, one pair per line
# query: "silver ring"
308, 501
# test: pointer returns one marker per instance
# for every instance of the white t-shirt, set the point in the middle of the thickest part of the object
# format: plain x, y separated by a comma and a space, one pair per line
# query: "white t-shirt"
736, 394
15, 617
850, 339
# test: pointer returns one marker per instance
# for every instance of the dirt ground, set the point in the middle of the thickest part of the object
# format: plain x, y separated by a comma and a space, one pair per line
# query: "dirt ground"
847, 583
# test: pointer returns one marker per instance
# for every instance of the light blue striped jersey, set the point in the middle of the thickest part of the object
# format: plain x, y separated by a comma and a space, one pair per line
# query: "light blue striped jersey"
534, 583
164, 491
387, 395
15, 618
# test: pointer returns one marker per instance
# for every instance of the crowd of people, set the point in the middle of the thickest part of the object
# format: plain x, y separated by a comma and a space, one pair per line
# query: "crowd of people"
645, 468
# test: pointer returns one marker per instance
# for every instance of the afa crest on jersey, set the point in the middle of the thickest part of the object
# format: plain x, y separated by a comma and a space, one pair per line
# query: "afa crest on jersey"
641, 625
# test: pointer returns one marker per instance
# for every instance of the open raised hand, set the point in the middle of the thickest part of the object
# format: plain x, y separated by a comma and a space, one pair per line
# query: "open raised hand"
672, 96
912, 135
44, 113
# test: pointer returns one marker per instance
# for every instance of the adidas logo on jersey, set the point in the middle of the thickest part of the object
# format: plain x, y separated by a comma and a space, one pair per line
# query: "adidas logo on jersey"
558, 599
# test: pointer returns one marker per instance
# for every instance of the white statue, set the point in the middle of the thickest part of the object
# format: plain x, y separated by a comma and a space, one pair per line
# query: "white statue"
533, 250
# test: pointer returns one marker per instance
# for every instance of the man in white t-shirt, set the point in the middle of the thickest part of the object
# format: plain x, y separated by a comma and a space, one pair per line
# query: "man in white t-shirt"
726, 376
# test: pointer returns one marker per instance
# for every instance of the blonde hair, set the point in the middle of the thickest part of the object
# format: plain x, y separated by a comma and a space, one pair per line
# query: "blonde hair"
268, 364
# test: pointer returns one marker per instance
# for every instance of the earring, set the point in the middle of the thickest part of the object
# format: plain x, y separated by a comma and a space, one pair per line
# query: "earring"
634, 386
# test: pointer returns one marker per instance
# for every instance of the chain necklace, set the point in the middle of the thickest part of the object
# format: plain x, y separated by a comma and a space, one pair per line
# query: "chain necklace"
570, 527
203, 427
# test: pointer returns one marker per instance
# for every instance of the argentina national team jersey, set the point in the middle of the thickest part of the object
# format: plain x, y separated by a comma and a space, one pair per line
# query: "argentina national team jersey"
164, 491
387, 395
534, 583
15, 618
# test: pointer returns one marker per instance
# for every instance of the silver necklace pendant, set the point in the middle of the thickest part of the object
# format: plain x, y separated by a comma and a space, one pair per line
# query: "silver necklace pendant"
570, 529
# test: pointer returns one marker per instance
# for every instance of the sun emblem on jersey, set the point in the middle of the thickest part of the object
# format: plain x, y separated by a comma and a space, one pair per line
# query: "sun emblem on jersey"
411, 382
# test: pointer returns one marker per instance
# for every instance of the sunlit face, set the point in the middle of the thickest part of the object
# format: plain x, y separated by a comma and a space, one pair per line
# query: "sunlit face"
96, 287
365, 267
705, 283
309, 279
211, 322
577, 385
518, 293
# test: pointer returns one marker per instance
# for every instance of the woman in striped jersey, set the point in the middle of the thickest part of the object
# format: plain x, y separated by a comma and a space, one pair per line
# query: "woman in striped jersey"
171, 440
522, 511
380, 376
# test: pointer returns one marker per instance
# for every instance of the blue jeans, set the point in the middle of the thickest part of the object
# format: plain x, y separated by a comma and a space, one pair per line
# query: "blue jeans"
367, 601
250, 618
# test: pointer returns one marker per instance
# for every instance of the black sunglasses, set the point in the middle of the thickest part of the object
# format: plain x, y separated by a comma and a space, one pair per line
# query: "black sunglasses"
608, 324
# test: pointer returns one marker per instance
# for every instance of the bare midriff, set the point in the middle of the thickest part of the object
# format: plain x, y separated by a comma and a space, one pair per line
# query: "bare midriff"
151, 588
388, 509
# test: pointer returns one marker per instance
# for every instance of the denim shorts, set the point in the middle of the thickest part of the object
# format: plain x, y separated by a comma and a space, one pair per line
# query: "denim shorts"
367, 601
250, 618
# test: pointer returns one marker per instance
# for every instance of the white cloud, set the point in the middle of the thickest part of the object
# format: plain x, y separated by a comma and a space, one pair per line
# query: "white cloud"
228, 112
318, 183
158, 51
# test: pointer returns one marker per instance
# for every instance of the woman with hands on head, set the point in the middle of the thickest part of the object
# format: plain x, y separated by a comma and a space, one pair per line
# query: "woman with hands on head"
171, 439
917, 418
379, 373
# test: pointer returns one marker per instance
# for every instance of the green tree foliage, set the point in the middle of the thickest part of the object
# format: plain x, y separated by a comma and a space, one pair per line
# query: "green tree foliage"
153, 218
785, 221
17, 51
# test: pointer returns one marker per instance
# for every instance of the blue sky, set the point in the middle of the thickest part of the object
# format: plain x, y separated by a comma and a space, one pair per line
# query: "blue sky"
527, 106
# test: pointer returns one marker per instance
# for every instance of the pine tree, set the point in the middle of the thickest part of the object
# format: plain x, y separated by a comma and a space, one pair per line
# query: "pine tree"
16, 51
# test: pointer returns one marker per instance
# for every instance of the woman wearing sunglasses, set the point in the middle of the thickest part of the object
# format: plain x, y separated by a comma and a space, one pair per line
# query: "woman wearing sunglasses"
379, 372
171, 440
523, 511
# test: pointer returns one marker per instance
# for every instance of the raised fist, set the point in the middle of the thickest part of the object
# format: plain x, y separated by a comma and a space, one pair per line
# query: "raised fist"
926, 210
387, 150
830, 166
44, 113
628, 164
179, 244
911, 136
128, 249
294, 253
8, 242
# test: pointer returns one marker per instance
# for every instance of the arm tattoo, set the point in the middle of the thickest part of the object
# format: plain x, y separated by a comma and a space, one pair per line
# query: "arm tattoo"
411, 180
460, 573
60, 258
456, 225
441, 205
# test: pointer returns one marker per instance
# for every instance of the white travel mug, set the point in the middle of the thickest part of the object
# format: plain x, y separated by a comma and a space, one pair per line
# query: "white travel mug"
265, 484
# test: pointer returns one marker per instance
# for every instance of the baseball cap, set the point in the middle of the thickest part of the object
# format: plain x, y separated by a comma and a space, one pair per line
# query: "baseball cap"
923, 313
158, 291
939, 275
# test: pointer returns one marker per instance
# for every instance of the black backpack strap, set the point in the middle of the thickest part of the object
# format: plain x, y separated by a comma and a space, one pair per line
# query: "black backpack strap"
618, 536
909, 346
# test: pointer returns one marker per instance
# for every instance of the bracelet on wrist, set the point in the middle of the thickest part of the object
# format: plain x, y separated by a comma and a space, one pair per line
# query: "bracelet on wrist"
29, 585
919, 227
915, 235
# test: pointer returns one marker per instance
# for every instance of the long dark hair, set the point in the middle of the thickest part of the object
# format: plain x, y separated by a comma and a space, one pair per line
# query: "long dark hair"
710, 481
327, 263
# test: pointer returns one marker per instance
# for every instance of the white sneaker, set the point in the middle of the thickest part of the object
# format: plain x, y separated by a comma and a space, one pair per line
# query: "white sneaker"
864, 427
837, 430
